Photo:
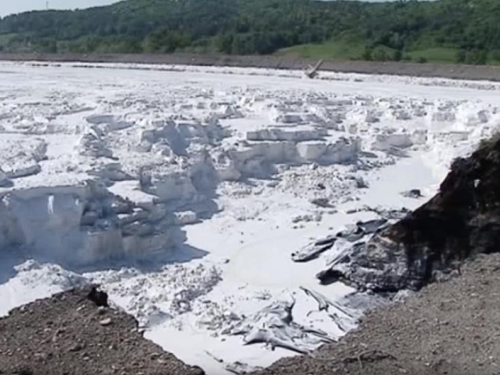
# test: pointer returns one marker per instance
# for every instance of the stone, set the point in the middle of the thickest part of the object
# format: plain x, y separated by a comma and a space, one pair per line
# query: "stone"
105, 322
313, 250
100, 298
413, 193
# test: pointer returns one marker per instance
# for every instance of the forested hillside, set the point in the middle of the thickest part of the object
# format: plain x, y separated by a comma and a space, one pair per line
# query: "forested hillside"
465, 31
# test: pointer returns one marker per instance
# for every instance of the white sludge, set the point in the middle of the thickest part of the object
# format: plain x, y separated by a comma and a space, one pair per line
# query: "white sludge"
206, 200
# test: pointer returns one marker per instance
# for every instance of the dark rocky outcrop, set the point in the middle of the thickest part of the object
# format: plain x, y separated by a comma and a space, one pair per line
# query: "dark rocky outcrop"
97, 296
462, 220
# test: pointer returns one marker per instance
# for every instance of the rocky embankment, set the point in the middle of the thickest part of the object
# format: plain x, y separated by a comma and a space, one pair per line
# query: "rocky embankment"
447, 328
462, 220
76, 333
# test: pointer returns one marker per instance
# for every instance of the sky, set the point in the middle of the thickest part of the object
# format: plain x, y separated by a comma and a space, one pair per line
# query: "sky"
17, 6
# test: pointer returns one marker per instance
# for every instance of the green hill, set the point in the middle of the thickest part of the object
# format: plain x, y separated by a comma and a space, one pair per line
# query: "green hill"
465, 31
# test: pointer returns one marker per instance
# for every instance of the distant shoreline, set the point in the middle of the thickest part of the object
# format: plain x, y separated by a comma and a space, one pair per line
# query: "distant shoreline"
450, 71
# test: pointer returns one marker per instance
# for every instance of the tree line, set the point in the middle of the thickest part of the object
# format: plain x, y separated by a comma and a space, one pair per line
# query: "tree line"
388, 31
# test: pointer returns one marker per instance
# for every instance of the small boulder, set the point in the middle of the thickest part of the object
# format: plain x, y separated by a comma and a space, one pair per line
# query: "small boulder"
105, 322
100, 298
413, 193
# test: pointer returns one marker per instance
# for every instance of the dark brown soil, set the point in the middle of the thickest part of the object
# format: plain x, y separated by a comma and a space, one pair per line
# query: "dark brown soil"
469, 72
69, 334
449, 328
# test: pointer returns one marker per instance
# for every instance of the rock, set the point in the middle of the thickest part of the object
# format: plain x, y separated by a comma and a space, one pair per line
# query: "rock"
311, 151
100, 119
331, 274
105, 322
274, 325
384, 142
21, 165
351, 233
321, 202
307, 218
154, 356
371, 226
342, 316
396, 151
102, 310
186, 218
276, 134
462, 220
98, 297
4, 180
361, 183
75, 348
241, 368
96, 221
413, 193
93, 146
390, 214
313, 250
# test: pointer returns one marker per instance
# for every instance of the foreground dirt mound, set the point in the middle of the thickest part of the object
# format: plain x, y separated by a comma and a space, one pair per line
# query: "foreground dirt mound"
463, 219
70, 334
447, 328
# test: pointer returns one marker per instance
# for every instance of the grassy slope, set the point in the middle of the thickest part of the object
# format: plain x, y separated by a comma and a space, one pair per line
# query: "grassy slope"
439, 55
331, 50
345, 51
6, 38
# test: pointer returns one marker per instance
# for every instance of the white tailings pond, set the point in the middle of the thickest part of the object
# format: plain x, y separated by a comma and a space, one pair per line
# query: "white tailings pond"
185, 191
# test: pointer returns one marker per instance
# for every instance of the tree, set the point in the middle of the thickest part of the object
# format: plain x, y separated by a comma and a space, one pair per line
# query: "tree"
166, 41
224, 43
47, 46
367, 54
461, 56
397, 55
243, 44
262, 27
379, 54
476, 57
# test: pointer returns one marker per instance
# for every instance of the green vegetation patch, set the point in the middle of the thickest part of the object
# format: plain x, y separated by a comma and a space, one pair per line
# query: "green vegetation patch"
330, 50
463, 31
438, 55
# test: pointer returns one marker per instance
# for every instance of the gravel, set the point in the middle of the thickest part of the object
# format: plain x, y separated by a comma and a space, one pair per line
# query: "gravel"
69, 334
450, 327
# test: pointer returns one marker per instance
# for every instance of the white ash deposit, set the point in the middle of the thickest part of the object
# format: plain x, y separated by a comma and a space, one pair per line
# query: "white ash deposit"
206, 204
